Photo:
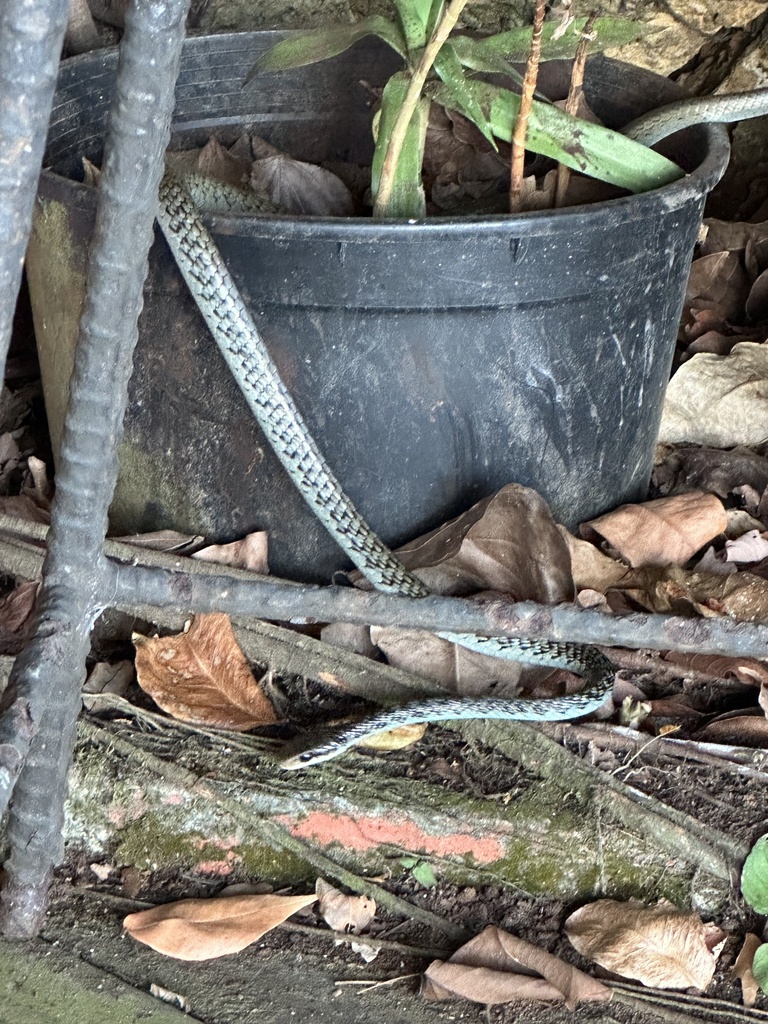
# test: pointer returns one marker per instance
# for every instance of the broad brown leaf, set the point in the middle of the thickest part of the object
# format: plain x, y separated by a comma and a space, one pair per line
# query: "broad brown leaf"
667, 531
746, 670
742, 968
508, 542
738, 729
458, 669
218, 163
720, 282
351, 914
202, 676
683, 468
731, 235
591, 569
303, 188
251, 552
204, 929
720, 401
660, 946
16, 617
496, 967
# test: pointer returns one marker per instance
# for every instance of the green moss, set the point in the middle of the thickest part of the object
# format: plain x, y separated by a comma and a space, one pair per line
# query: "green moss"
151, 843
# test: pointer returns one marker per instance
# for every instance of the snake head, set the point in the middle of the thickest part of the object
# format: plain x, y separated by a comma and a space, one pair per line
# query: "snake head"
305, 759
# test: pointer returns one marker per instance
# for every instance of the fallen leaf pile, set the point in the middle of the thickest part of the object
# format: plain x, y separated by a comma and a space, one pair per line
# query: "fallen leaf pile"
718, 395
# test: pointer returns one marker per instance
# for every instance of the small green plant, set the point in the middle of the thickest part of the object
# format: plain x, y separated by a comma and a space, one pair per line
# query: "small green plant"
441, 67
754, 888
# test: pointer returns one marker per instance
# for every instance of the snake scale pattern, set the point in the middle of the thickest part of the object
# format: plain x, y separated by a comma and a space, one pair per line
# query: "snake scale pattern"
235, 333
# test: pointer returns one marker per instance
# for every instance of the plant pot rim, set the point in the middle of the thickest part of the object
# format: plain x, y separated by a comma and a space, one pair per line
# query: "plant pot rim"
621, 211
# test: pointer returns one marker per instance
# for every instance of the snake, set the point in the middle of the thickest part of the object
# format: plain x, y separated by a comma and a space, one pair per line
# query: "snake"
209, 281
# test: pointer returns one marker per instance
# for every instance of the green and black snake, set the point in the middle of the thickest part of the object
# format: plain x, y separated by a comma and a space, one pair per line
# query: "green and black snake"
232, 327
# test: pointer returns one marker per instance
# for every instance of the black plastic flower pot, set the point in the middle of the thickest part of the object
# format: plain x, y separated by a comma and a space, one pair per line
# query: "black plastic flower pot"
434, 362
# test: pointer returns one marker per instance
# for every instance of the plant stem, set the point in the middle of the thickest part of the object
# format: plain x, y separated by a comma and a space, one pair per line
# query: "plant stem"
418, 77
517, 161
574, 99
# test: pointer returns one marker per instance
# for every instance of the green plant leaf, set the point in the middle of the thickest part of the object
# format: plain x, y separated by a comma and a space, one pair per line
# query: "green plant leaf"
311, 47
754, 876
414, 18
496, 53
449, 68
408, 862
760, 966
588, 148
407, 200
424, 874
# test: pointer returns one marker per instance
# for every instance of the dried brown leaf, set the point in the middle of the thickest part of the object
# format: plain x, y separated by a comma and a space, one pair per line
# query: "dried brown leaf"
737, 729
672, 590
667, 531
720, 401
496, 967
25, 507
756, 306
110, 677
164, 540
251, 552
202, 676
298, 187
508, 542
742, 968
458, 669
591, 569
718, 281
683, 468
351, 914
660, 946
746, 670
204, 929
220, 164
731, 235
16, 618
350, 636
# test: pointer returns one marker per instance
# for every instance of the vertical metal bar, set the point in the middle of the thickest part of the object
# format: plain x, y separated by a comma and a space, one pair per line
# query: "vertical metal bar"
48, 675
31, 35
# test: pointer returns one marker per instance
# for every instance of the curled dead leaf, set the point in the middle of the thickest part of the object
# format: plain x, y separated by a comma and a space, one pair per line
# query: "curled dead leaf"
204, 929
667, 531
351, 914
496, 967
202, 676
660, 946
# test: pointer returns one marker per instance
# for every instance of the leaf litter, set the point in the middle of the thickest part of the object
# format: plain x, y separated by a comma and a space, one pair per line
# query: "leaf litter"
474, 555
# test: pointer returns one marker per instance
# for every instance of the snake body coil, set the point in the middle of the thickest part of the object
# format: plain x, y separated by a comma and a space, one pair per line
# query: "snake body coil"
238, 339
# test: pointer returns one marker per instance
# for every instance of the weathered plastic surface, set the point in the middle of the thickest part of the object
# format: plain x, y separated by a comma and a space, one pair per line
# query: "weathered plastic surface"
434, 362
